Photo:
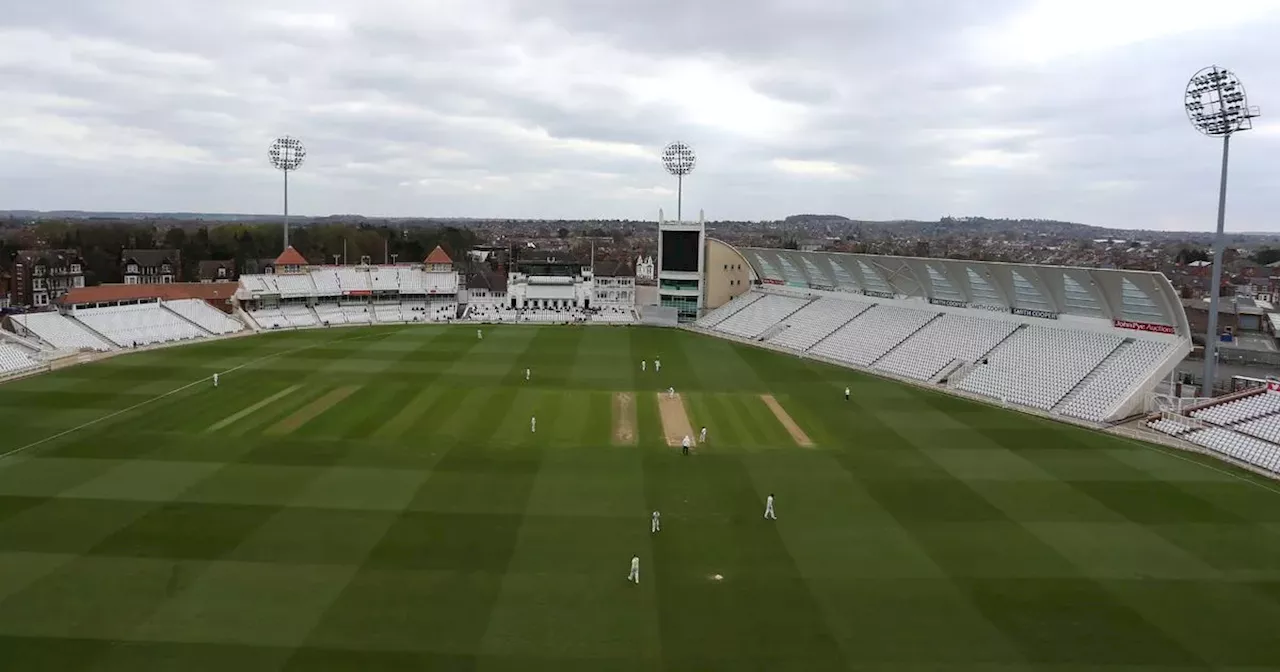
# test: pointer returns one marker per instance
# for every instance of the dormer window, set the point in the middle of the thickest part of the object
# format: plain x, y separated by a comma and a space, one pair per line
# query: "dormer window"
222, 271
131, 268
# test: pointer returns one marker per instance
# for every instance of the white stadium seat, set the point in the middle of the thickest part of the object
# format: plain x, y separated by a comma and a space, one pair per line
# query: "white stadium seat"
759, 316
139, 325
949, 338
803, 329
61, 332
15, 359
206, 316
871, 334
1037, 366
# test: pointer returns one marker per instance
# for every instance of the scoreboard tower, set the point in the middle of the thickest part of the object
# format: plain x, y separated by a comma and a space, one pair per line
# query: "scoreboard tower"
681, 255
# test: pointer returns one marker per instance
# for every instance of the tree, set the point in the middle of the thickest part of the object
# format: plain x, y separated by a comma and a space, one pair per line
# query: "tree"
1187, 255
1267, 255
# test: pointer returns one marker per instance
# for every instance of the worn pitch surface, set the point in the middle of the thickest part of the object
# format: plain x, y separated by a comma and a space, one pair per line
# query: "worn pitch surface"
394, 512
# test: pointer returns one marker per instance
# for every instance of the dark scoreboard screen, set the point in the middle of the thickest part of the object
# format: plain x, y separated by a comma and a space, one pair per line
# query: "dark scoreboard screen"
680, 251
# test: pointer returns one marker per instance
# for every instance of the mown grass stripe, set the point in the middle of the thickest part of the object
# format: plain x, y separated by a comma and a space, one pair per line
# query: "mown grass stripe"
251, 409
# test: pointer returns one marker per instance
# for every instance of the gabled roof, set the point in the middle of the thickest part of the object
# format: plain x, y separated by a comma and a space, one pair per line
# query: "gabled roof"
291, 257
438, 256
151, 257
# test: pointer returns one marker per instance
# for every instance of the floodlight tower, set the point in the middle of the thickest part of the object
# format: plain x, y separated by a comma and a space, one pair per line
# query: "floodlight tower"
286, 153
679, 160
1217, 107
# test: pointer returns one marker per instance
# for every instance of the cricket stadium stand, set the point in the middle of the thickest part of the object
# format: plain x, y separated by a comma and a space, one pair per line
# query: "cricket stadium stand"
1081, 343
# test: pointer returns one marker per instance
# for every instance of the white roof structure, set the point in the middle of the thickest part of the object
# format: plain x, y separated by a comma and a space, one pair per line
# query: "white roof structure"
1140, 300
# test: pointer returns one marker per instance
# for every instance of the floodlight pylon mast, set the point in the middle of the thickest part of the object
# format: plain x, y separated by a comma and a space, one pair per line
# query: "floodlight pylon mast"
1217, 106
286, 207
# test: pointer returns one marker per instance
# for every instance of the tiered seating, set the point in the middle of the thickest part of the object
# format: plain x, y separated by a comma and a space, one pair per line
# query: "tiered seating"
206, 316
138, 325
1038, 366
490, 312
326, 282
15, 359
1266, 428
351, 280
613, 315
871, 334
299, 316
439, 283
816, 321
270, 318
260, 284
718, 315
330, 313
1103, 388
1239, 410
295, 285
760, 315
357, 314
1244, 448
441, 312
1170, 427
61, 332
412, 282
388, 313
384, 279
942, 341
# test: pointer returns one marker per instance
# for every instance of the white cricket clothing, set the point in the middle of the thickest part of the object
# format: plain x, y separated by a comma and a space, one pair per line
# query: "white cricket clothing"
634, 576
533, 425
643, 364
671, 392
768, 509
479, 334
657, 365
703, 437
526, 374
215, 380
685, 443
657, 522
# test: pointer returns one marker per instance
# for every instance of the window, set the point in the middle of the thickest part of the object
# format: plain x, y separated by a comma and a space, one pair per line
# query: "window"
37, 283
39, 270
75, 268
222, 272
166, 278
164, 268
131, 268
39, 300
79, 281
130, 280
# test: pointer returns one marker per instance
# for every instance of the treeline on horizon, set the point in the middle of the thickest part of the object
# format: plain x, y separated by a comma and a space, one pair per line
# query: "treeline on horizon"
100, 245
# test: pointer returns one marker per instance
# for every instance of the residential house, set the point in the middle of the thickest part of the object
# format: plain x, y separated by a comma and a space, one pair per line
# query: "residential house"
150, 267
217, 271
41, 277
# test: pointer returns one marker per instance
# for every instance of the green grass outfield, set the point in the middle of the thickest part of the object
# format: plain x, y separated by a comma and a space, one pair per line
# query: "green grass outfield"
370, 499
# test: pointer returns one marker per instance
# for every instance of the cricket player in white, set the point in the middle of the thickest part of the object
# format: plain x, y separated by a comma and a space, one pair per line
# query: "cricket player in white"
533, 424
657, 366
479, 334
634, 576
684, 445
526, 374
768, 508
702, 438
656, 525
846, 394
215, 380
644, 364
671, 393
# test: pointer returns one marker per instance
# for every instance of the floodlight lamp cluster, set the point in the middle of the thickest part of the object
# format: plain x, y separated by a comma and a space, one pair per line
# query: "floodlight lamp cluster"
287, 153
679, 159
1216, 103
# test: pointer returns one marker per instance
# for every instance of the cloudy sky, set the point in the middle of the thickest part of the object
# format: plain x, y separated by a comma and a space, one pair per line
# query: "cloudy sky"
874, 109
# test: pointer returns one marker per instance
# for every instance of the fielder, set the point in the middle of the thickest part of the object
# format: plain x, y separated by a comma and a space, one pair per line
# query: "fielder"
768, 508
656, 525
846, 393
533, 424
671, 393
479, 334
526, 374
215, 380
684, 445
644, 363
657, 365
702, 438
634, 576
